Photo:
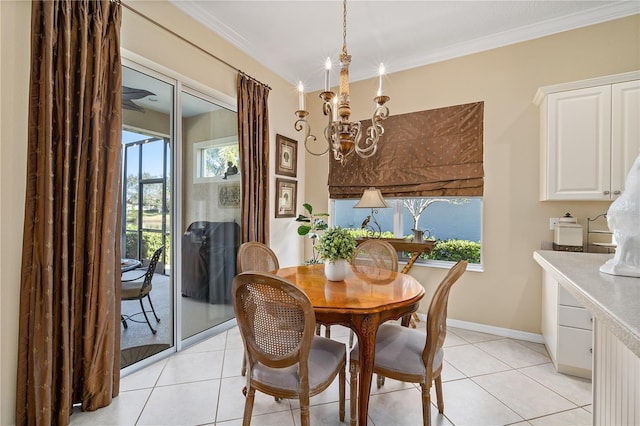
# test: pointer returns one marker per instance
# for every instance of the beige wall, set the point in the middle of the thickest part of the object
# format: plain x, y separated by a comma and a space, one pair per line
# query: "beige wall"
507, 293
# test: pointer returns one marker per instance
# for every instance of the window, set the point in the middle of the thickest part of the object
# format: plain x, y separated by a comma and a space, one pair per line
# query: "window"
212, 158
455, 223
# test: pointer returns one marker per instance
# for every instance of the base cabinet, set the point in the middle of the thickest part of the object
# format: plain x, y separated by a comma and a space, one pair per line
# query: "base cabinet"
616, 380
567, 330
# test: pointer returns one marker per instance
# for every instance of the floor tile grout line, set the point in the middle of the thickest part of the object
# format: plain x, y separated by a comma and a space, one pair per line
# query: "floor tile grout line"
544, 385
505, 404
224, 359
501, 360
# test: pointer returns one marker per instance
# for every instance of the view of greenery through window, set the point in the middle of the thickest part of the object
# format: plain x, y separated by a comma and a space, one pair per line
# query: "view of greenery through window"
147, 220
454, 223
216, 158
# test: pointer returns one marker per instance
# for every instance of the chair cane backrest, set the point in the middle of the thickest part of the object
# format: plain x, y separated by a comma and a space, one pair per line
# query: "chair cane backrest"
275, 318
437, 314
255, 256
377, 254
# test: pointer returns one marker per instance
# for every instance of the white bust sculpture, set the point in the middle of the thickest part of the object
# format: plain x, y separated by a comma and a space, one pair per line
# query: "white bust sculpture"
623, 219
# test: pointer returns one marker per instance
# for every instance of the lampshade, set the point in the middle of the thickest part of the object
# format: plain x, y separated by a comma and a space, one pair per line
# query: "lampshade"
371, 199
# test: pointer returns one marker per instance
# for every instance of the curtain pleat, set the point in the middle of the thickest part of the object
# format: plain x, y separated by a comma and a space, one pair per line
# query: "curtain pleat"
429, 153
253, 140
69, 329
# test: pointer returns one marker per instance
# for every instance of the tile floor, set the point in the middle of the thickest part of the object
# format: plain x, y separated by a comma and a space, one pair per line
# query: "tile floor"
487, 380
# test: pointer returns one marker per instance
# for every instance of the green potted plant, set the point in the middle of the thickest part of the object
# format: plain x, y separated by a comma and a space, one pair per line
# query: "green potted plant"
312, 224
336, 247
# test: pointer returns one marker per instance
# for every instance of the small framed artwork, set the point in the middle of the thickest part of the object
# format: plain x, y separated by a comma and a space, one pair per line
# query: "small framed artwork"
286, 191
286, 156
229, 196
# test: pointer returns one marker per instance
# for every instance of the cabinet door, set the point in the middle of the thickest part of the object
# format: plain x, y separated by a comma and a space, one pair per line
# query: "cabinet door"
625, 132
579, 144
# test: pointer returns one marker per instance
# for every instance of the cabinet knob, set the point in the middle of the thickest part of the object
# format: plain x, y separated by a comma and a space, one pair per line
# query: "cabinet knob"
606, 192
617, 192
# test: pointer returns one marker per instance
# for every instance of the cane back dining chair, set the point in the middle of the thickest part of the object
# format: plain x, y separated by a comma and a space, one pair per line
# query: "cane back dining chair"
140, 287
406, 354
284, 357
255, 256
374, 253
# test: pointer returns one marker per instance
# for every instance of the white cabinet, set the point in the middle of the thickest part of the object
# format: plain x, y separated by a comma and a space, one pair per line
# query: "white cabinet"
590, 137
567, 329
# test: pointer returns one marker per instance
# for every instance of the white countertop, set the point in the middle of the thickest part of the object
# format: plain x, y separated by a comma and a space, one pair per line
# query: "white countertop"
614, 300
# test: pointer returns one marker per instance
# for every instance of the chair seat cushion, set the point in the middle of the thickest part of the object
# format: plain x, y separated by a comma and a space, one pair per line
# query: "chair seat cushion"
399, 349
131, 290
325, 358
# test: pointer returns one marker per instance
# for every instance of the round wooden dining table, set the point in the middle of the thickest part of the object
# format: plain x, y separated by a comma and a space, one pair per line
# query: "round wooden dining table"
362, 301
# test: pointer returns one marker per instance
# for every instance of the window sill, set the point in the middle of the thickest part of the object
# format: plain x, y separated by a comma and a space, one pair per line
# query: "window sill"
441, 264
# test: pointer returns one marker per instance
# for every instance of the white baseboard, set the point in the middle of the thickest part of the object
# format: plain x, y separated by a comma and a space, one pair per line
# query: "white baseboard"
489, 329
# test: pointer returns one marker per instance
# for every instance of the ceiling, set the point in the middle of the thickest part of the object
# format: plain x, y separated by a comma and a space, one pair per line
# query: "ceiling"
293, 38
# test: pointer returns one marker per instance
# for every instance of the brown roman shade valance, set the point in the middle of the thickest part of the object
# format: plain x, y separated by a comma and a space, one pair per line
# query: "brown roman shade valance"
427, 153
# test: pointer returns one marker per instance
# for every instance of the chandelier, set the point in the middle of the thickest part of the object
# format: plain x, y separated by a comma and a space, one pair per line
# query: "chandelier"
342, 135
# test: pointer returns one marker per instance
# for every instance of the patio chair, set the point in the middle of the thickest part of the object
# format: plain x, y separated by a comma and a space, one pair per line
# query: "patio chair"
140, 287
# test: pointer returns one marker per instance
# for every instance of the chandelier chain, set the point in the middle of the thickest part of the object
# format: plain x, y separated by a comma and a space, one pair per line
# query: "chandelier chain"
344, 27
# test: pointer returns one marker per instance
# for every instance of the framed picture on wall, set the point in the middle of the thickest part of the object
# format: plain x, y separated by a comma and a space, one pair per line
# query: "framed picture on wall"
286, 156
229, 195
286, 192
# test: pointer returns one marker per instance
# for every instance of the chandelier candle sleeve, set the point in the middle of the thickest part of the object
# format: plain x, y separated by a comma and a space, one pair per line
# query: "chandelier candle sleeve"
300, 96
327, 72
381, 79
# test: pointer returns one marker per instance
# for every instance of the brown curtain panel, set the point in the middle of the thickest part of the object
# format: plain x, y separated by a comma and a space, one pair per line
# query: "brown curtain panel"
253, 139
427, 153
69, 328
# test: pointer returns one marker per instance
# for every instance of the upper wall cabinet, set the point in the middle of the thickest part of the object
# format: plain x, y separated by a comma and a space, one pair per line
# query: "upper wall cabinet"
590, 137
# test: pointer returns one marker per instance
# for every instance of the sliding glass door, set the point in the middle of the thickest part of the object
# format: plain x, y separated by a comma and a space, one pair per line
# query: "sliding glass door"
180, 173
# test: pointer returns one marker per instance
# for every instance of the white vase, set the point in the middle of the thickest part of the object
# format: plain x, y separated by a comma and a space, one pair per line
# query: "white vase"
337, 270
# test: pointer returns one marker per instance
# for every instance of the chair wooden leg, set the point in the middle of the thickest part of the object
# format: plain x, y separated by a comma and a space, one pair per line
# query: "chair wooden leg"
342, 376
439, 397
327, 331
243, 370
379, 380
353, 389
426, 404
153, 330
248, 406
351, 334
304, 409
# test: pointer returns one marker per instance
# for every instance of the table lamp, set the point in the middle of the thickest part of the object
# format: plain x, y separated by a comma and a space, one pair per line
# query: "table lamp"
372, 198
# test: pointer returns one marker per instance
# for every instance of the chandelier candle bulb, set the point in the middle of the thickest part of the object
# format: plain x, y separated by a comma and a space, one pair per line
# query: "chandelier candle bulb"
327, 72
300, 96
